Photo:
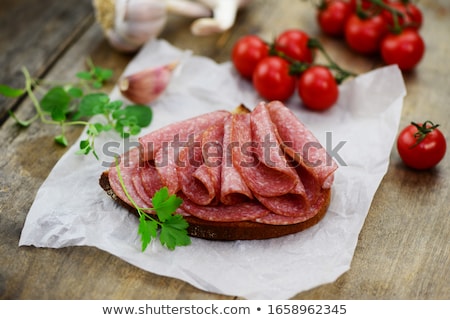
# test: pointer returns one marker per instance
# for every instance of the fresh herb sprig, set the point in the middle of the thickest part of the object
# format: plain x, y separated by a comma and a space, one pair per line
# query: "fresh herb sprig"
68, 104
172, 228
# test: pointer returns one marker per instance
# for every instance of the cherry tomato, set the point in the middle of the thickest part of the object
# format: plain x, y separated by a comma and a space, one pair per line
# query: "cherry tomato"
421, 146
294, 44
271, 79
405, 49
411, 15
365, 35
317, 88
246, 54
333, 16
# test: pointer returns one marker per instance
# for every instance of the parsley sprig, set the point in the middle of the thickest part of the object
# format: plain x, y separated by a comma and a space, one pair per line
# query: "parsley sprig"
172, 228
69, 104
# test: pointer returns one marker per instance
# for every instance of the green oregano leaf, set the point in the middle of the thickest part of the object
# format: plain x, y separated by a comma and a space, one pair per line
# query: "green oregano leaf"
56, 103
10, 92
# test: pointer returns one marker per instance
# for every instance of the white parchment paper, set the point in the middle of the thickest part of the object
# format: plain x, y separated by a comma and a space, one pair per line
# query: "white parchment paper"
71, 209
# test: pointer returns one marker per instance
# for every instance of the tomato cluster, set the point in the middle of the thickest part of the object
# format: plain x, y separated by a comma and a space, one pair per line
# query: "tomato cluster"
280, 69
386, 27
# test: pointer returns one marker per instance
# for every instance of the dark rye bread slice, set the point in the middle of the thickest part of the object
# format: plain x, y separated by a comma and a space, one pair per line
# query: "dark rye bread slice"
243, 230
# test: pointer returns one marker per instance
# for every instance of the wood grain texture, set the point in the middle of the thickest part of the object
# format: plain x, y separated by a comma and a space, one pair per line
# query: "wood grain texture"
403, 249
34, 35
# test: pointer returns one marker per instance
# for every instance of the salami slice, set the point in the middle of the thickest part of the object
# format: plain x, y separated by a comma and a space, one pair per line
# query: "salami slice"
245, 211
313, 210
140, 190
166, 162
267, 175
233, 188
301, 144
193, 176
150, 179
289, 205
178, 132
212, 150
128, 165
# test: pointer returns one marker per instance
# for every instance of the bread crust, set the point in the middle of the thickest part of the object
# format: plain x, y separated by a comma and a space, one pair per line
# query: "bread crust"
241, 230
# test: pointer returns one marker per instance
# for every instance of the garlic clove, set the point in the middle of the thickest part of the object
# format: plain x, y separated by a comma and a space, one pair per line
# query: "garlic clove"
147, 85
224, 15
223, 19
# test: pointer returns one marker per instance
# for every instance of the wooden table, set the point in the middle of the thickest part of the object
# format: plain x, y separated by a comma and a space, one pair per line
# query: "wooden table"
403, 249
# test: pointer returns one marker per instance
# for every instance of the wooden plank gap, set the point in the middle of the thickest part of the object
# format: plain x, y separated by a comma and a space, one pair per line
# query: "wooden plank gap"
53, 58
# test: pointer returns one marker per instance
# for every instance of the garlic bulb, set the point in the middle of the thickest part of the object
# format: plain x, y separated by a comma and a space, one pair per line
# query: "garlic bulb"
128, 24
147, 85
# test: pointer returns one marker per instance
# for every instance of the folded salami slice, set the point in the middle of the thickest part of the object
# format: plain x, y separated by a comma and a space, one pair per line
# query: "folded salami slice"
309, 213
209, 173
166, 163
245, 211
129, 165
300, 144
150, 179
262, 179
178, 132
193, 175
233, 188
269, 154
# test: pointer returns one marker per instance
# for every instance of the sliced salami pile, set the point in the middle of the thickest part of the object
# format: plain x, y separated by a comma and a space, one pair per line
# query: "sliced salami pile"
241, 175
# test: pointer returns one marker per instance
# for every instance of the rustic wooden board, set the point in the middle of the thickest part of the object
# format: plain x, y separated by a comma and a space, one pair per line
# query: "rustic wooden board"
35, 34
403, 249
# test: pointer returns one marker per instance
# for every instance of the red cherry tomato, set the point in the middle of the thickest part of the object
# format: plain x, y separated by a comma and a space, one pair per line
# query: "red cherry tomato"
271, 79
333, 16
317, 88
246, 54
405, 49
411, 15
421, 146
294, 44
365, 35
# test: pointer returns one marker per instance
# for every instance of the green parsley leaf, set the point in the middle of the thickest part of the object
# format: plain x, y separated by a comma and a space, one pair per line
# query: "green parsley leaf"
164, 204
173, 232
164, 209
10, 92
147, 230
160, 196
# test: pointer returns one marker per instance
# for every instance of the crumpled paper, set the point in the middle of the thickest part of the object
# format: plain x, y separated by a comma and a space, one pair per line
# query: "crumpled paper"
71, 209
